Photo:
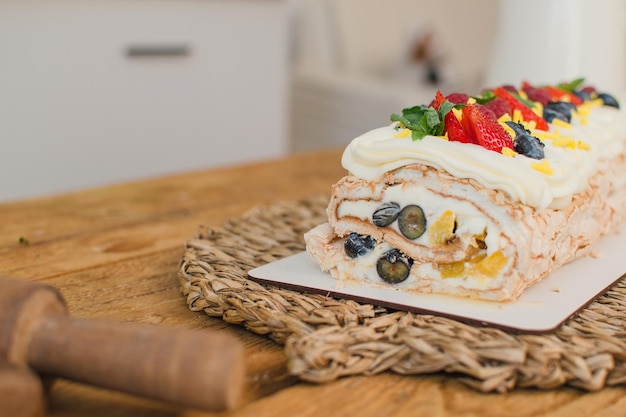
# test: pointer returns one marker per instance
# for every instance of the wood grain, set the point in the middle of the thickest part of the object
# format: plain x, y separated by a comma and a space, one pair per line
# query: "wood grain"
113, 253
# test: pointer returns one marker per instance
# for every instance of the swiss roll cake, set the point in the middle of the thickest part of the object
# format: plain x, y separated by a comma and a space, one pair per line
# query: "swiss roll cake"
477, 196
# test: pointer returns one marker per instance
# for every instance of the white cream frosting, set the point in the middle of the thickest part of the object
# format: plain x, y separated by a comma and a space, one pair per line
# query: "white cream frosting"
380, 150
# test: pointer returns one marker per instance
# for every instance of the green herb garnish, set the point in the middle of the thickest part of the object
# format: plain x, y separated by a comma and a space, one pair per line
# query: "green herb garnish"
423, 121
485, 97
571, 86
524, 101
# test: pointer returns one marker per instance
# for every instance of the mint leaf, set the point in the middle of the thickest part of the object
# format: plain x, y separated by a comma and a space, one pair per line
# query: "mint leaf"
424, 121
571, 86
401, 119
524, 101
446, 107
485, 97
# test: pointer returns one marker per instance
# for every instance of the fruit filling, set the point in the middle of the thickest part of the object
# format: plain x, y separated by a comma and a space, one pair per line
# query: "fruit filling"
439, 230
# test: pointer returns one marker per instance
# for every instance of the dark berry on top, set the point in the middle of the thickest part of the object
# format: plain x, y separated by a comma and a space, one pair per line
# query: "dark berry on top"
529, 145
583, 95
558, 110
518, 128
608, 100
526, 144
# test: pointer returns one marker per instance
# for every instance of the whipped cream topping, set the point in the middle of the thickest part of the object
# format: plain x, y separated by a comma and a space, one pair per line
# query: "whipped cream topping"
602, 135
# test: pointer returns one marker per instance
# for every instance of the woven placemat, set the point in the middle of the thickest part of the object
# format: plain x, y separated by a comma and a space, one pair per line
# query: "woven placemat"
328, 338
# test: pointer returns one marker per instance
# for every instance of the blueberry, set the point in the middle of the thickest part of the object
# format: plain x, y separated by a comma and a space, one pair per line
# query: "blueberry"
412, 221
608, 100
558, 110
358, 245
386, 214
394, 266
526, 144
529, 145
518, 128
583, 95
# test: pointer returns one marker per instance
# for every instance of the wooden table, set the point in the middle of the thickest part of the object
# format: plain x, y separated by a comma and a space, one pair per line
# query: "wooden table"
113, 252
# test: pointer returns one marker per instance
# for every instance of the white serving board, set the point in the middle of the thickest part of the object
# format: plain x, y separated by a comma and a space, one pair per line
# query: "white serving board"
542, 308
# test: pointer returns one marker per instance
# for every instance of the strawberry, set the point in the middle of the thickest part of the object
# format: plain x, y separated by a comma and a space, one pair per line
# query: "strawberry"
455, 130
526, 111
439, 98
452, 125
559, 95
483, 128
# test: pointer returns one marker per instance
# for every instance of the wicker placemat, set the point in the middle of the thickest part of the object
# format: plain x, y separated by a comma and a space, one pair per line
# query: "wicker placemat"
327, 338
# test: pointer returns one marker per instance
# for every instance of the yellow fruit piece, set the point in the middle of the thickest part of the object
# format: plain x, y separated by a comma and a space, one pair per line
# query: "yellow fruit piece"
508, 152
491, 265
561, 123
543, 167
452, 270
442, 229
403, 133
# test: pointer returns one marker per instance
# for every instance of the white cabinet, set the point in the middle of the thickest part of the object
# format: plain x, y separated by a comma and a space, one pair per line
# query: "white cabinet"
94, 92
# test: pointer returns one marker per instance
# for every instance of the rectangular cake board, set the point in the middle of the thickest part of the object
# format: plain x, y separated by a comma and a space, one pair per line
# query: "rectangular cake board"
542, 308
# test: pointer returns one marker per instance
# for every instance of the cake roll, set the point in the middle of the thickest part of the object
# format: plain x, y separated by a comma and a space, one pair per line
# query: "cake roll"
480, 196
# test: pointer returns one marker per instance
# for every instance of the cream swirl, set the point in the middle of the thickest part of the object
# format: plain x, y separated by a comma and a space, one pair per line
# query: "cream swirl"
549, 183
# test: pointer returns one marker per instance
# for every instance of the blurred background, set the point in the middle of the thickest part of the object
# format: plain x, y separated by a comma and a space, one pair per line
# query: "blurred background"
94, 92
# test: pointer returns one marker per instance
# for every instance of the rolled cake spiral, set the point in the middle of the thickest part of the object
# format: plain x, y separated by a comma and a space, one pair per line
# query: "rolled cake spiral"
487, 202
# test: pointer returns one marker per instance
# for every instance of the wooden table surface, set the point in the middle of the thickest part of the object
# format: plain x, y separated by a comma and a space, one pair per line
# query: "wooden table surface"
113, 252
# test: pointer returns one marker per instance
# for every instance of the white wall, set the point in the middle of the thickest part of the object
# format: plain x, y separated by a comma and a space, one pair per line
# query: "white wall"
76, 111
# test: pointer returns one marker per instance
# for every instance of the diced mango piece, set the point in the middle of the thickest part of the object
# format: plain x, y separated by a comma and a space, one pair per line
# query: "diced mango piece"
508, 152
402, 133
452, 270
543, 166
442, 229
491, 265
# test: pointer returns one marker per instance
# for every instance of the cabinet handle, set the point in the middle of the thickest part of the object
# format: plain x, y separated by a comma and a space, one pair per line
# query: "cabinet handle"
157, 50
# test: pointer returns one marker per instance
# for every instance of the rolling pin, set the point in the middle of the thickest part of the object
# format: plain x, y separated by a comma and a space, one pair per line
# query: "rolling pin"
21, 392
199, 369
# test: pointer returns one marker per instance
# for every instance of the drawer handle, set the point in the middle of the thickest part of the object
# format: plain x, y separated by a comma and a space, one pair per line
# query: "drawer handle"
157, 50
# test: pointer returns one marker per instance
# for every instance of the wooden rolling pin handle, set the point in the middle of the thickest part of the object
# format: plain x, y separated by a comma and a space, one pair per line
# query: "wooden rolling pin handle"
202, 369
21, 392
197, 369
192, 368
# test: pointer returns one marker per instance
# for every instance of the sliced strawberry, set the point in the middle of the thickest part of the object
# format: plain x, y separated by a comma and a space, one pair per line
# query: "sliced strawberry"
526, 111
455, 130
560, 95
480, 125
439, 98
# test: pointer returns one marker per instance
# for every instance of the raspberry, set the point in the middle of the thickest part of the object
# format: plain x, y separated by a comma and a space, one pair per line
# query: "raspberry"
457, 98
499, 107
538, 95
510, 88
